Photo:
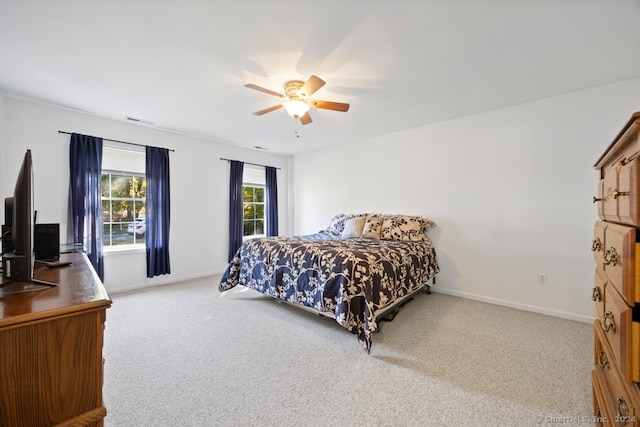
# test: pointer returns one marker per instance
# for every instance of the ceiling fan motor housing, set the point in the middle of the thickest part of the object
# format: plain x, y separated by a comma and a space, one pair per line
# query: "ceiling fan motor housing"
292, 89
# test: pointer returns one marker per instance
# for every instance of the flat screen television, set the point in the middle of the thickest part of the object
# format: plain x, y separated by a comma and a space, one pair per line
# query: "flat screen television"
7, 244
18, 264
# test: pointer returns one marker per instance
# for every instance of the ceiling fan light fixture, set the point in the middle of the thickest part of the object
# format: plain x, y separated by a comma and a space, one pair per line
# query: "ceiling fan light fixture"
296, 108
296, 99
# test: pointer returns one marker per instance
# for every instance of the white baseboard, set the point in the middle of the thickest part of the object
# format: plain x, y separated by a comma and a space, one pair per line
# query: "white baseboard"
168, 281
518, 306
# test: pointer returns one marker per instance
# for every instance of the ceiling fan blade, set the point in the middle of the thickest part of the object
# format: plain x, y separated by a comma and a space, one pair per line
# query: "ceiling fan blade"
265, 90
328, 105
305, 119
311, 86
267, 110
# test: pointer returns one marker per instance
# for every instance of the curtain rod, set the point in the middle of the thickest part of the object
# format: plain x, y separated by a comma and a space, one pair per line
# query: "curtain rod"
121, 142
248, 163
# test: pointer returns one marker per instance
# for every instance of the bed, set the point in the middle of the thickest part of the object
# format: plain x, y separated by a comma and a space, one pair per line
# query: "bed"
358, 268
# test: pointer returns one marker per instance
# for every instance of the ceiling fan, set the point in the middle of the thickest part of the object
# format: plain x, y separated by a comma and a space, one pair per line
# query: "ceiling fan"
296, 99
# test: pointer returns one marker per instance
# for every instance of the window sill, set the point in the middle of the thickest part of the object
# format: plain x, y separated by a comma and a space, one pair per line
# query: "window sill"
122, 249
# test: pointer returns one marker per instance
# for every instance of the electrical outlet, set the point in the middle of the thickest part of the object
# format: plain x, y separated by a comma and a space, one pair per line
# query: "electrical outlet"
542, 278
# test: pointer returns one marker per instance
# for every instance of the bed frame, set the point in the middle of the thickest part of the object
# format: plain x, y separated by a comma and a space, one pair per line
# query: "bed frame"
386, 314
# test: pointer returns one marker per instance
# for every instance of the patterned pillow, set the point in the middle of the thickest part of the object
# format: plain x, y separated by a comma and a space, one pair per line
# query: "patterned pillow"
405, 227
426, 223
353, 227
336, 226
372, 227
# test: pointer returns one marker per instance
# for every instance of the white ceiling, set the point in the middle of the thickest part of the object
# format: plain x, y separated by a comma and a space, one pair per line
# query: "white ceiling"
182, 65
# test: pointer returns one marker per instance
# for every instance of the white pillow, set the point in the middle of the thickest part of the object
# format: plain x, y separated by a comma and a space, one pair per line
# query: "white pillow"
353, 227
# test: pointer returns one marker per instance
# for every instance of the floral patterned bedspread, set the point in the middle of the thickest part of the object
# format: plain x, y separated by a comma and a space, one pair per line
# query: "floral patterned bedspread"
352, 278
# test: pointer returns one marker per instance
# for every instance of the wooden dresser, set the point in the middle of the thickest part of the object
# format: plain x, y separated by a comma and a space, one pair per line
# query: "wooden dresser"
51, 366
616, 293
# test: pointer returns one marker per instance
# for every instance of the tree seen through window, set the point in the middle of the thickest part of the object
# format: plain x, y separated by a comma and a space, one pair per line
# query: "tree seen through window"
123, 210
253, 214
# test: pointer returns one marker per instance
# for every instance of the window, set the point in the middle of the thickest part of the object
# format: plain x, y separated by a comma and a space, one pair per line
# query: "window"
253, 197
253, 214
123, 197
123, 215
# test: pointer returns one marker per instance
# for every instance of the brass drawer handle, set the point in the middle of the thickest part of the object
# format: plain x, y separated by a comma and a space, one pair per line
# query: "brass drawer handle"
596, 245
596, 294
617, 193
595, 199
608, 323
622, 411
603, 360
611, 257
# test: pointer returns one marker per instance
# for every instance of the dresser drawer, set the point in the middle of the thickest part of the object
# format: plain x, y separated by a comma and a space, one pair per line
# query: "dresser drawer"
608, 206
618, 259
618, 193
601, 415
616, 401
600, 199
622, 335
628, 193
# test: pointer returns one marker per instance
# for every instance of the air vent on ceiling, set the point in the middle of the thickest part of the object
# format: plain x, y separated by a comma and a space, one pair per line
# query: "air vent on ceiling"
133, 119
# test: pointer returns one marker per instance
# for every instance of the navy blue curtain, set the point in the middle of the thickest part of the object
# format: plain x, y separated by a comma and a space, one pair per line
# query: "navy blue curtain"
85, 205
272, 200
157, 211
235, 207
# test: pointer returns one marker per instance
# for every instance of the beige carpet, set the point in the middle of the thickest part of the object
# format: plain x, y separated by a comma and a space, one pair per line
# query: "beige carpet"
186, 355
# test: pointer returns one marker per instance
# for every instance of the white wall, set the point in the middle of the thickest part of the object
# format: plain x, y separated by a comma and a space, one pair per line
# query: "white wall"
509, 189
199, 185
3, 170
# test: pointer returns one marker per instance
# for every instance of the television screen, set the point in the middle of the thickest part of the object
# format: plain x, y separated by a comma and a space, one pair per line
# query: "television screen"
18, 265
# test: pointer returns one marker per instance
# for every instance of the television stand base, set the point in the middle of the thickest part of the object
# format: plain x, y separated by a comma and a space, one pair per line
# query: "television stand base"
27, 285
